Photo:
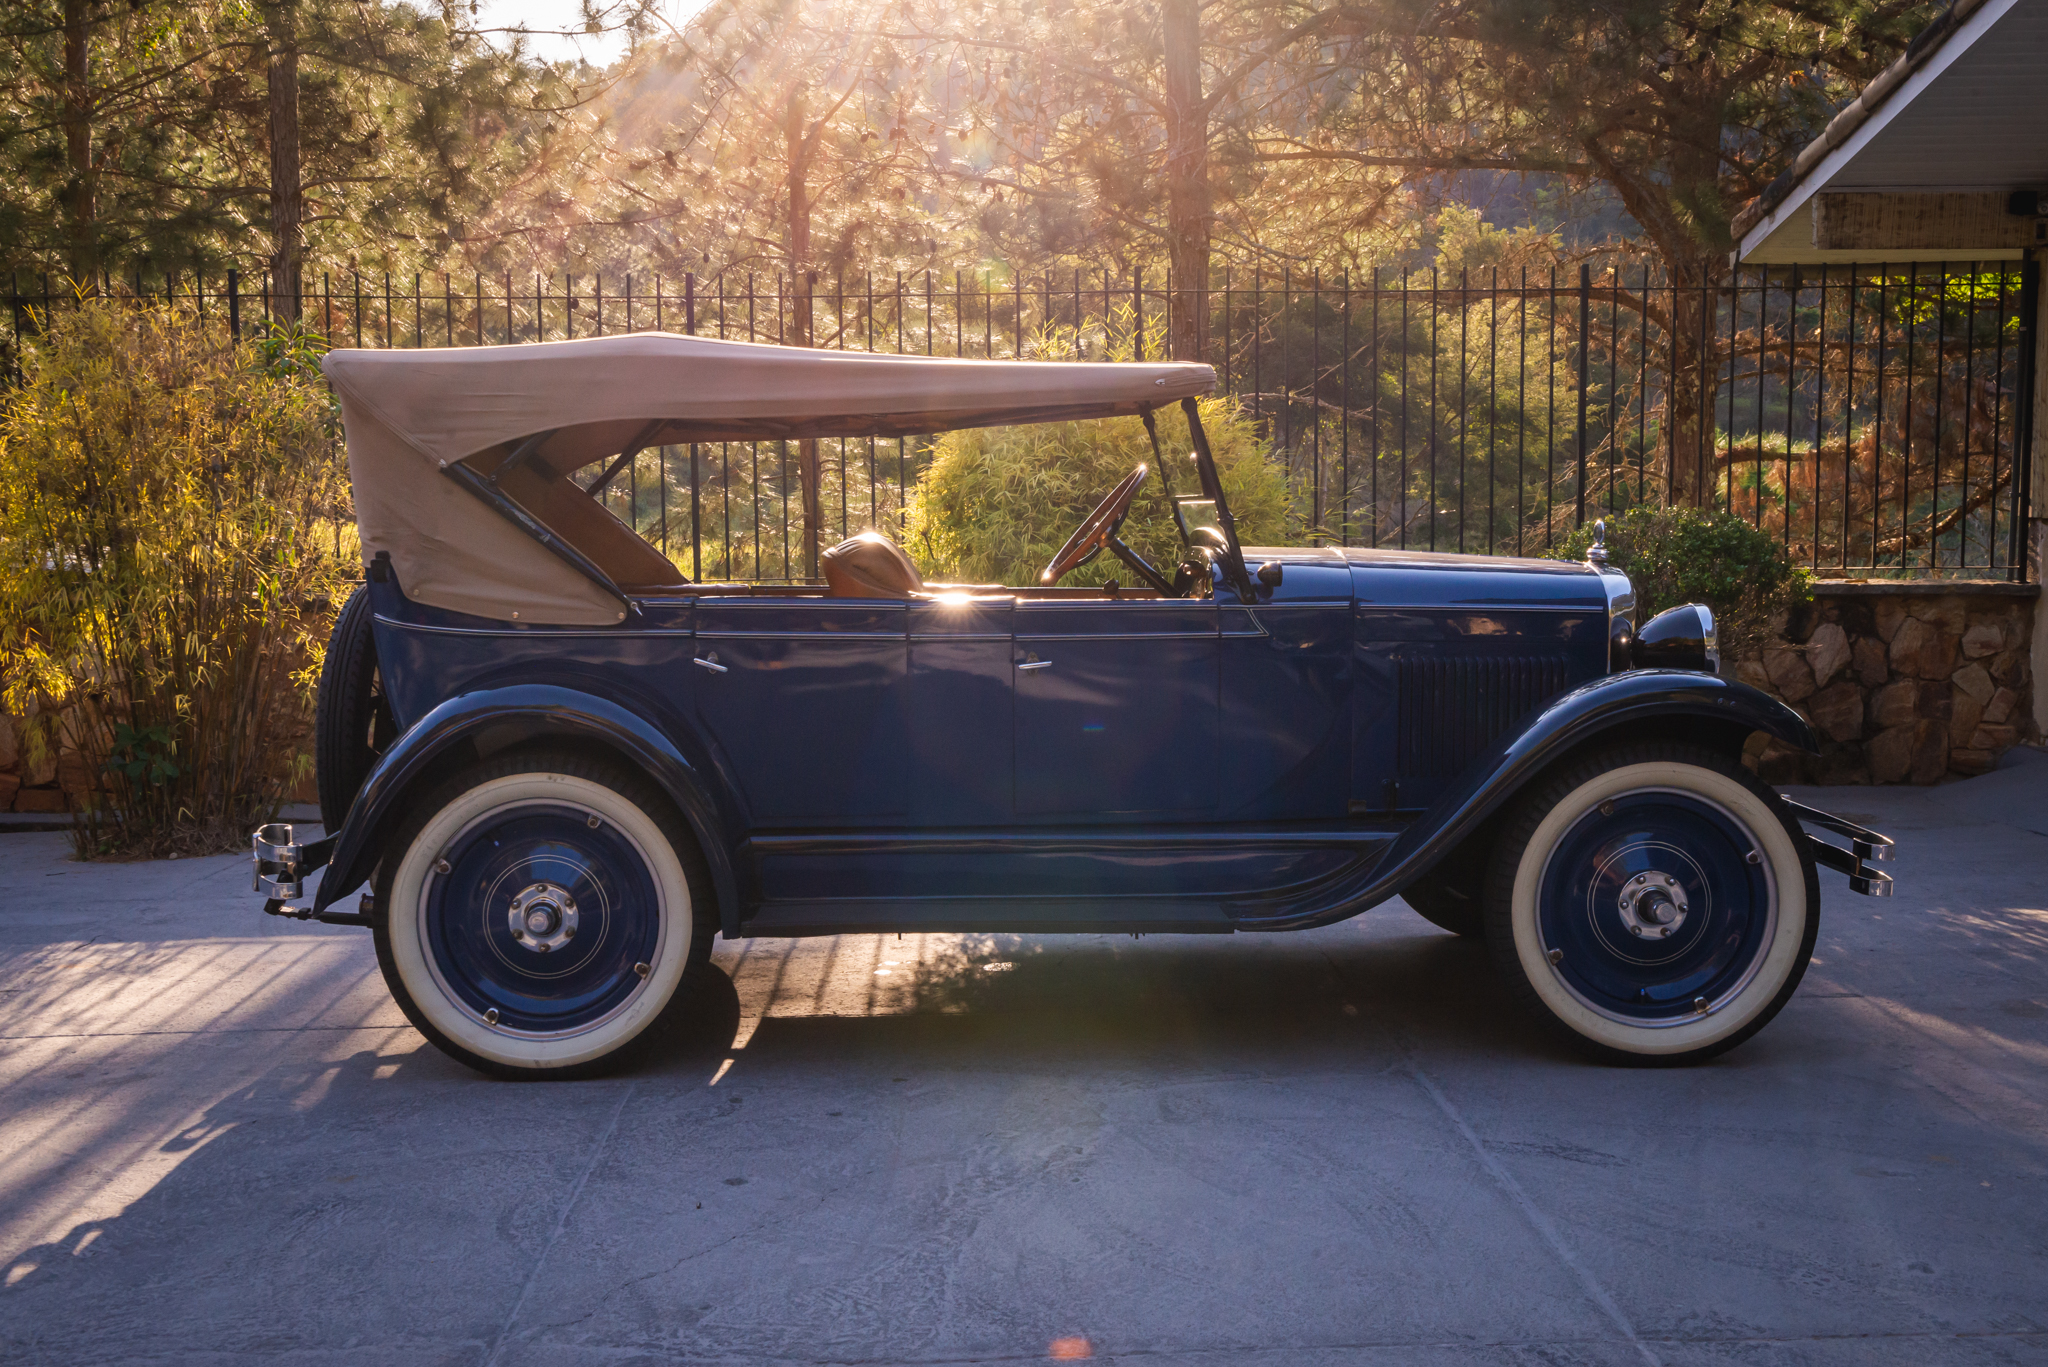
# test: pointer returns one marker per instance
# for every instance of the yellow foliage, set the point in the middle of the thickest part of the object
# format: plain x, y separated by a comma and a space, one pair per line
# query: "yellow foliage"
995, 504
172, 508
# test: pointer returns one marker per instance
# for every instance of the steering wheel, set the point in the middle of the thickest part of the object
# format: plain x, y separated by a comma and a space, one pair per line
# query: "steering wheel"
1096, 529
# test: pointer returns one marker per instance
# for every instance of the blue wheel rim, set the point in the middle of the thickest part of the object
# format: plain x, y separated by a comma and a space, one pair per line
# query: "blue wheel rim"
588, 866
1693, 853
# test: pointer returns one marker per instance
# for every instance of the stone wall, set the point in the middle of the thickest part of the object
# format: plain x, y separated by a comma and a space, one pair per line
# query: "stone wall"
50, 784
1905, 682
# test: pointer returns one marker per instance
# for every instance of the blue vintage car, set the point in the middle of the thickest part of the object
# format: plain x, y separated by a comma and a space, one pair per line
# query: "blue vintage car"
562, 769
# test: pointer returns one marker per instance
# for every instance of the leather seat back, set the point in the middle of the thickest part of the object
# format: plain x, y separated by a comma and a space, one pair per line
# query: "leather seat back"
870, 566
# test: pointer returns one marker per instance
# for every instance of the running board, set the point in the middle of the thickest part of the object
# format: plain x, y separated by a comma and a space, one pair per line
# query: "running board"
990, 915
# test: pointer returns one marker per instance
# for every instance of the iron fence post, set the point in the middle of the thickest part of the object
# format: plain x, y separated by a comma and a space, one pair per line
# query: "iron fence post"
1138, 308
1585, 370
2024, 455
234, 304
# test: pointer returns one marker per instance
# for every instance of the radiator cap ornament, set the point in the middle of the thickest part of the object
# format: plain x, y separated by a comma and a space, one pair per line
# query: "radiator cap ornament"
1596, 554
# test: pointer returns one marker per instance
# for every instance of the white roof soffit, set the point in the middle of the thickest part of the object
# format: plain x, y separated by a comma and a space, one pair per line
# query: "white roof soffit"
1961, 121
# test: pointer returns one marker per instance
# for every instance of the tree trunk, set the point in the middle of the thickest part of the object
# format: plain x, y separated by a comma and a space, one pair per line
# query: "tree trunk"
1693, 350
1188, 211
80, 196
801, 144
797, 228
1697, 268
287, 197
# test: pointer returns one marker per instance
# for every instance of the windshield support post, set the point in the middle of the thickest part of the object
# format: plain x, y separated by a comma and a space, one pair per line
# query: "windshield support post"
1212, 489
1165, 478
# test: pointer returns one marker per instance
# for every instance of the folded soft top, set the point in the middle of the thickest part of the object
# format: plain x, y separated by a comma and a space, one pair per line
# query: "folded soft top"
408, 413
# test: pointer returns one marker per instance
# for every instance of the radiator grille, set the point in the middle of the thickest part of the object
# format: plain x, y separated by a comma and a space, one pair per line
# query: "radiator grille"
1452, 709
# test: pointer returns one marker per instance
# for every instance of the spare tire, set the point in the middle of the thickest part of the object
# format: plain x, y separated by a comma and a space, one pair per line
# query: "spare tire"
351, 722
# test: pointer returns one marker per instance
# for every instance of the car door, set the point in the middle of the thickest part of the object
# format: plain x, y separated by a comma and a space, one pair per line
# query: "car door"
805, 700
1288, 682
1116, 708
961, 752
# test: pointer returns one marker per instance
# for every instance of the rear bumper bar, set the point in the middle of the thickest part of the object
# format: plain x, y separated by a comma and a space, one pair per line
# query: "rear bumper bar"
1866, 847
281, 866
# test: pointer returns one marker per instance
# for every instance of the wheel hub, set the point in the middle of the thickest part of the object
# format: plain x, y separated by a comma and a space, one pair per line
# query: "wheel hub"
543, 917
1652, 905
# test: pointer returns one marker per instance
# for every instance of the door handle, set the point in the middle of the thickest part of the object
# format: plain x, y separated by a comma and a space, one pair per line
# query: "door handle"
1035, 664
711, 664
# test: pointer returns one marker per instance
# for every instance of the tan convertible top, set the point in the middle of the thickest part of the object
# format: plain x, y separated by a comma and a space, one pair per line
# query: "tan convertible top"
409, 414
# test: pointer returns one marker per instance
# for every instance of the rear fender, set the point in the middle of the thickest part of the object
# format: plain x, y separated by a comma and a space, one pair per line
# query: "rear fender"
1667, 703
511, 715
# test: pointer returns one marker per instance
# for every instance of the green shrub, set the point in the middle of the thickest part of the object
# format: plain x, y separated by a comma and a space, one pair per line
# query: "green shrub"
172, 507
1683, 555
995, 504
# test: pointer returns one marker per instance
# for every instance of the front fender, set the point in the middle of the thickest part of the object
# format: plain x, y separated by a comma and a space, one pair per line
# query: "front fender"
537, 710
1687, 702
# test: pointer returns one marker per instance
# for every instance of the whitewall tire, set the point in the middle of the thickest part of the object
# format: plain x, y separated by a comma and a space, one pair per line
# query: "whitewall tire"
537, 915
1654, 902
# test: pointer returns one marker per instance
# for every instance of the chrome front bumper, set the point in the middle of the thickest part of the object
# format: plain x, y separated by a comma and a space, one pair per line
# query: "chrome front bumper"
1866, 847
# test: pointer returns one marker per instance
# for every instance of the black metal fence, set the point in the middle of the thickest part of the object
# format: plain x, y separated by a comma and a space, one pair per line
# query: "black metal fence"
1873, 417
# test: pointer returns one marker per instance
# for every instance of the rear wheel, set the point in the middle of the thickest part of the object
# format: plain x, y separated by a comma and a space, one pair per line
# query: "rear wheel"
1654, 902
539, 913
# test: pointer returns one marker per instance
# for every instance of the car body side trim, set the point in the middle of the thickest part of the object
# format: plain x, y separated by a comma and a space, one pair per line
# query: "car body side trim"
771, 634
1117, 636
1473, 605
524, 633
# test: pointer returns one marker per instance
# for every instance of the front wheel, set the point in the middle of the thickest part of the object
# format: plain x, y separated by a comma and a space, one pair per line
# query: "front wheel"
1654, 902
537, 915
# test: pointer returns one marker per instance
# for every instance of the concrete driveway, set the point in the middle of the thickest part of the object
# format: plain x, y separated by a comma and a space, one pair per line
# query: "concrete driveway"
219, 1142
